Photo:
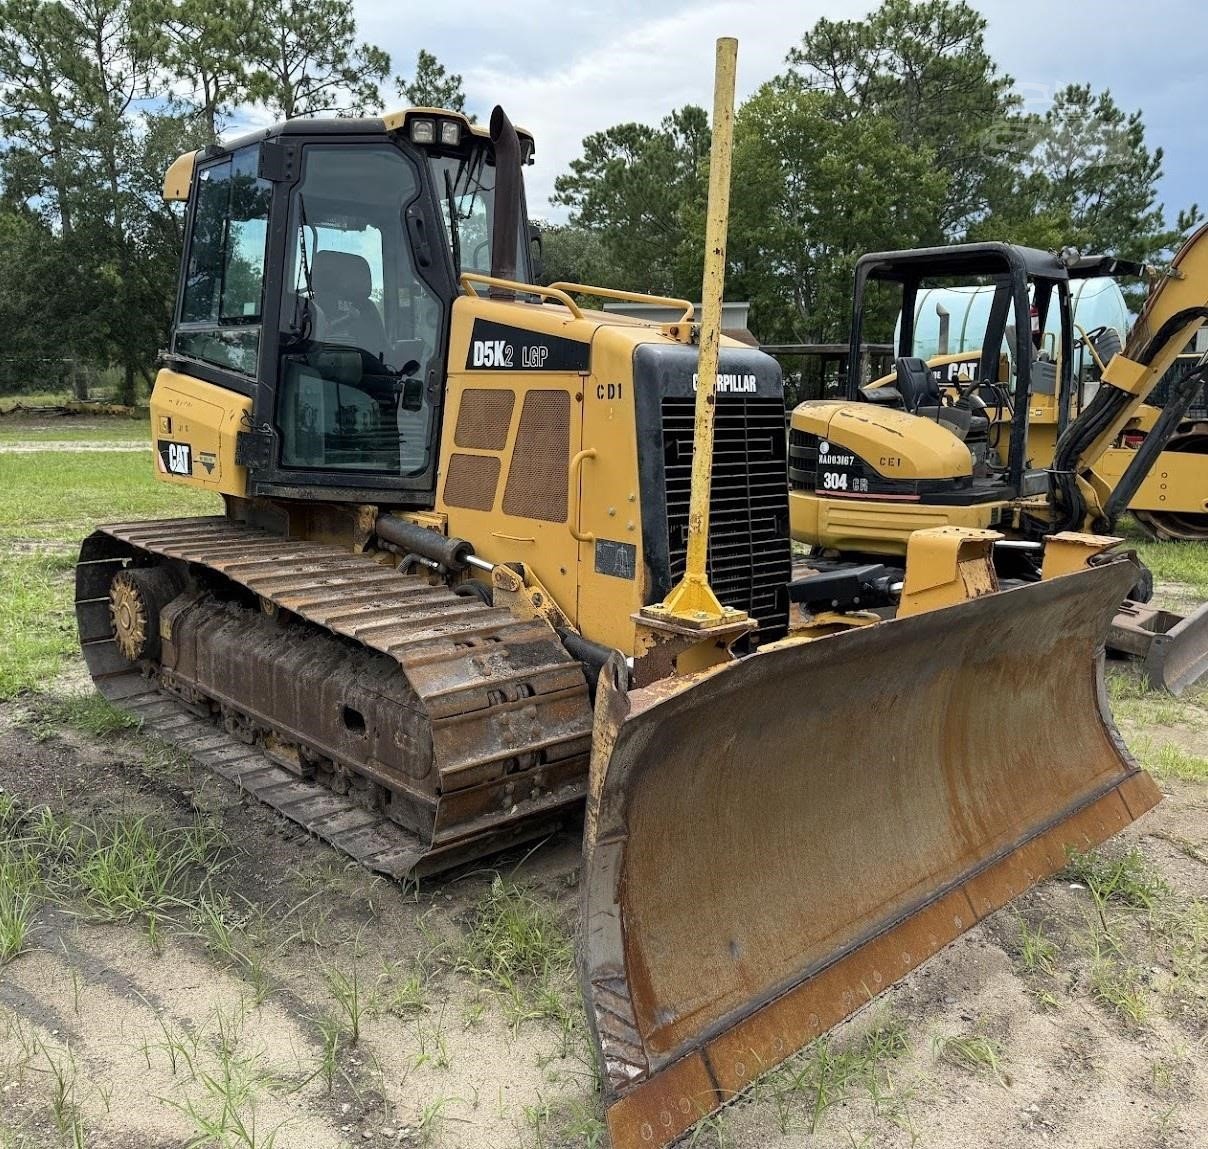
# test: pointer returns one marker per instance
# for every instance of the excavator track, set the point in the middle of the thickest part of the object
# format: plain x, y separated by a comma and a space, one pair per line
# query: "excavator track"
411, 727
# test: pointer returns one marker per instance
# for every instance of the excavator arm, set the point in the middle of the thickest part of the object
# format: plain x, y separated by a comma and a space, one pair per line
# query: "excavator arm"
1176, 308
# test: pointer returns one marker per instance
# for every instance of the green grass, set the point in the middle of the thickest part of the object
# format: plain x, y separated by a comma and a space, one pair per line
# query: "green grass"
1171, 761
56, 498
975, 1054
37, 626
62, 495
77, 429
1037, 951
125, 869
826, 1073
1133, 701
35, 399
519, 946
20, 889
88, 712
1129, 879
1170, 562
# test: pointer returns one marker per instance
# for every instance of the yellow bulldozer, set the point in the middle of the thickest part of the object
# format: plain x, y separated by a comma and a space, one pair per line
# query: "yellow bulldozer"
996, 439
487, 554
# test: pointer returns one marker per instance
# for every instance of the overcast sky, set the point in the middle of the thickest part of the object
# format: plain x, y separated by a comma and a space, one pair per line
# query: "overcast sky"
566, 68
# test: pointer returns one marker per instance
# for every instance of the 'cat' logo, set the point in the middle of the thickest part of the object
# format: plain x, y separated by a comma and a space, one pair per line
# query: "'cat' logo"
177, 458
491, 353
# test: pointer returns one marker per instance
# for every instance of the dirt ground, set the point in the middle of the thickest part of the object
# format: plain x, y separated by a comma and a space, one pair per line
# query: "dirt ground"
170, 1031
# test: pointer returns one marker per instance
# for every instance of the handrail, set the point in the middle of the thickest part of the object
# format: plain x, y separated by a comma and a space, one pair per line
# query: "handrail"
632, 296
576, 465
469, 277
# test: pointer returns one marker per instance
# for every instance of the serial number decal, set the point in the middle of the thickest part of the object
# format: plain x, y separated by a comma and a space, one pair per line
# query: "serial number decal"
498, 347
177, 458
617, 559
839, 471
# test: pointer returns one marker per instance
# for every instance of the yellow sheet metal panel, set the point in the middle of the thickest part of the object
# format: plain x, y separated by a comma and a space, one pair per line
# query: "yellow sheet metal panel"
610, 501
1178, 480
873, 525
193, 430
514, 422
897, 445
178, 179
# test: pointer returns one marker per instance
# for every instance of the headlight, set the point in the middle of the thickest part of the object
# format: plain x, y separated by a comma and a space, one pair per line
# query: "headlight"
450, 133
423, 131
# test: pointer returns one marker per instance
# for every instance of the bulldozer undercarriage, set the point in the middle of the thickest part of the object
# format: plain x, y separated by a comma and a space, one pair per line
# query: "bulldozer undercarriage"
410, 726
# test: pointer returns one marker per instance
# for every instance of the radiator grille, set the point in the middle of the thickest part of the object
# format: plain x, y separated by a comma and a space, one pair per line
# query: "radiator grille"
471, 481
803, 460
483, 419
750, 556
538, 475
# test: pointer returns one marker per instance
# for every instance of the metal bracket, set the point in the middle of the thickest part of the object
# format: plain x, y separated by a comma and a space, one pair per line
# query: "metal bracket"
254, 449
278, 162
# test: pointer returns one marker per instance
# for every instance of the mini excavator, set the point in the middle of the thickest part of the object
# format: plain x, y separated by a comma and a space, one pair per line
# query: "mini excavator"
952, 442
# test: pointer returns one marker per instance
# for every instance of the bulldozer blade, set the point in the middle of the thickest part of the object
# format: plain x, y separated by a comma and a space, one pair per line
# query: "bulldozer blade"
1173, 647
772, 843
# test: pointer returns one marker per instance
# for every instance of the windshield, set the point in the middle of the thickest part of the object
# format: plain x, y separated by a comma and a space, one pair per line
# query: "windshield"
465, 187
361, 332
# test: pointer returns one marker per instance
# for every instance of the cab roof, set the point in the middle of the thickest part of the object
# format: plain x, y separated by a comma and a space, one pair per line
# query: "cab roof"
975, 259
179, 176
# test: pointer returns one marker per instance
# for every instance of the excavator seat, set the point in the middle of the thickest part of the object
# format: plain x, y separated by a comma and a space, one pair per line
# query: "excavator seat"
916, 383
921, 395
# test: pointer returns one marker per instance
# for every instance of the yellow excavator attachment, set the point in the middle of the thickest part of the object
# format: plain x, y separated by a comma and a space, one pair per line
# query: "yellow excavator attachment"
772, 842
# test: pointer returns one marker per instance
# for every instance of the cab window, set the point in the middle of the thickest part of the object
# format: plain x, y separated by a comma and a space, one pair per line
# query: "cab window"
220, 313
360, 331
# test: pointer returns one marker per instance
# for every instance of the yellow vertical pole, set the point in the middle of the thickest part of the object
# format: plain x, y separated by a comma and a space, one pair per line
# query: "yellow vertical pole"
693, 599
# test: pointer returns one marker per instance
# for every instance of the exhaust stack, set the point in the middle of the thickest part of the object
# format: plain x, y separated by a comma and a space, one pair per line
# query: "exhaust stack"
509, 199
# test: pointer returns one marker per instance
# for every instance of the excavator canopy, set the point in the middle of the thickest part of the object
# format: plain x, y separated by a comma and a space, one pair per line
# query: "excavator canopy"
772, 843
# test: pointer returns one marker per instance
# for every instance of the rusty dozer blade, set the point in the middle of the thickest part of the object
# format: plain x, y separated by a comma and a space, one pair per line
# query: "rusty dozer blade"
771, 844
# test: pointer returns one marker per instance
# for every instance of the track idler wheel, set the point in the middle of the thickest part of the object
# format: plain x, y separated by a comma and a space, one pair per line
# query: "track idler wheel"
136, 597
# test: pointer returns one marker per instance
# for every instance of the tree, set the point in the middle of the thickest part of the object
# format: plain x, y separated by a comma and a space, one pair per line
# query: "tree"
307, 60
1086, 178
642, 189
573, 254
432, 86
923, 66
40, 69
813, 192
207, 44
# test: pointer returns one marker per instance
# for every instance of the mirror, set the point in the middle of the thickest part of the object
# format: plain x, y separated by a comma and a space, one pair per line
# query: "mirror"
536, 253
412, 396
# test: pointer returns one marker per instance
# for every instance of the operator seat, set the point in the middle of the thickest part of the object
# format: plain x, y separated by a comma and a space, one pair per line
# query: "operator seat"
342, 283
916, 384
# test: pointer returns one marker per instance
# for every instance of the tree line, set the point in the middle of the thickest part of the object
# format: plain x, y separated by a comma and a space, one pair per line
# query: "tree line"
897, 130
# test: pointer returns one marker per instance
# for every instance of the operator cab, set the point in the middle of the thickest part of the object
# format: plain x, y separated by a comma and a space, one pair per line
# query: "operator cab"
322, 260
979, 389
